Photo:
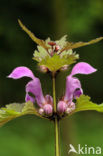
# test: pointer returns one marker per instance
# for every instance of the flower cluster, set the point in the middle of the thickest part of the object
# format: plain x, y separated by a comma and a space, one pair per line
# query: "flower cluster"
73, 87
45, 103
53, 56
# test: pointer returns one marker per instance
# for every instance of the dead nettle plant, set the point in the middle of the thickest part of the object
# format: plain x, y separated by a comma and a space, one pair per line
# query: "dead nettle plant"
52, 56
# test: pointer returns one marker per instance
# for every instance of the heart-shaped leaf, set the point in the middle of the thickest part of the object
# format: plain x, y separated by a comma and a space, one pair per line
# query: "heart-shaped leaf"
56, 62
14, 110
84, 103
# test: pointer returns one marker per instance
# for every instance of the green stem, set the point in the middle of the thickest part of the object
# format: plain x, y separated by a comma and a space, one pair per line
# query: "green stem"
57, 150
54, 94
56, 122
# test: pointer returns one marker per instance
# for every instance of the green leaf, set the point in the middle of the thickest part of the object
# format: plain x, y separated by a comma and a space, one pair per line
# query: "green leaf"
56, 62
71, 45
14, 110
40, 54
68, 53
62, 42
84, 103
33, 37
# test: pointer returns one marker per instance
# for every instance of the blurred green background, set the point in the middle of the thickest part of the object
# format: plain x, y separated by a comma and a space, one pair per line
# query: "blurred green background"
81, 21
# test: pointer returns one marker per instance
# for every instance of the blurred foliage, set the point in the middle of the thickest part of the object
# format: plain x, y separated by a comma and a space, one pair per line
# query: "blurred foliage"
81, 21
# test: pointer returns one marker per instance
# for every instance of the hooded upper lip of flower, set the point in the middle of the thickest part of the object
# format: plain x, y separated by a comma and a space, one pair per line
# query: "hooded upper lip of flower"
33, 86
72, 83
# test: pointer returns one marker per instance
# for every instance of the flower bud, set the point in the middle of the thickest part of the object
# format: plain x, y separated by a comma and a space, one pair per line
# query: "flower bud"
65, 67
72, 106
41, 111
48, 109
68, 110
61, 108
57, 47
43, 69
49, 99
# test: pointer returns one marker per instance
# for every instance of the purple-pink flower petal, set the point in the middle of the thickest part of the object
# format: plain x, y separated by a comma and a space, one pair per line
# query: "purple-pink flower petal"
34, 87
71, 85
29, 98
82, 68
77, 93
20, 72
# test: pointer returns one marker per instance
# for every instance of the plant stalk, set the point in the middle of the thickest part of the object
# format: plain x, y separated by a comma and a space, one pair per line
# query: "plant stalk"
56, 121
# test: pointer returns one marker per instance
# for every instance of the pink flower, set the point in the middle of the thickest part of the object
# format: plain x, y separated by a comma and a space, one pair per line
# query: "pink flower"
34, 87
73, 87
